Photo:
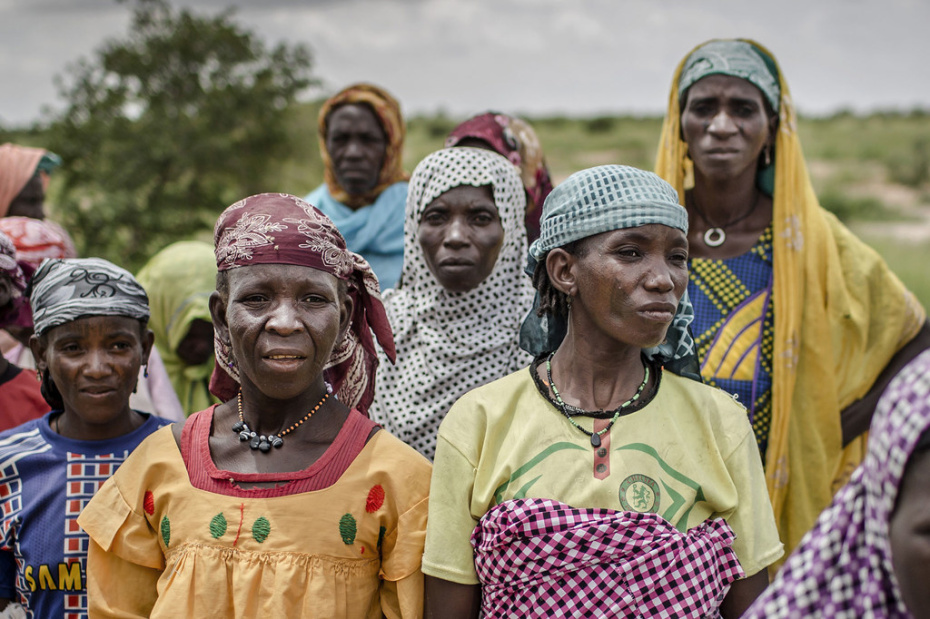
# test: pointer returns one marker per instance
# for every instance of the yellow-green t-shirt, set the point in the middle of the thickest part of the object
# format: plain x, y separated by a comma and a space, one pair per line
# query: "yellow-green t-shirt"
687, 455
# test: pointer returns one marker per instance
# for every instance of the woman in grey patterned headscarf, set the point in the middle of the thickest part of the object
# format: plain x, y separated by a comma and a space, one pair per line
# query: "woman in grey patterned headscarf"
90, 340
595, 445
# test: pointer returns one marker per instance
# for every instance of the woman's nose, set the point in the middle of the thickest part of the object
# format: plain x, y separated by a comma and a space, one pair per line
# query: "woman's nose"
284, 319
456, 233
722, 124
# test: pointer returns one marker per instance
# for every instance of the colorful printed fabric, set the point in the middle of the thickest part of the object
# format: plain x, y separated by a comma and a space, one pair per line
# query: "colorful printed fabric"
18, 164
596, 200
277, 228
515, 139
179, 280
451, 342
734, 328
65, 290
735, 58
387, 110
37, 239
45, 481
842, 568
840, 315
541, 558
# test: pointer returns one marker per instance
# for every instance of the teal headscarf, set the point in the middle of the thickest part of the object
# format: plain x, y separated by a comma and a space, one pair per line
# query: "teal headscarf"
602, 199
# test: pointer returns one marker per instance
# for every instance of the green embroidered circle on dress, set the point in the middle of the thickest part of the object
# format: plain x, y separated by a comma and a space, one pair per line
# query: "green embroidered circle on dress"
347, 529
218, 526
166, 531
260, 529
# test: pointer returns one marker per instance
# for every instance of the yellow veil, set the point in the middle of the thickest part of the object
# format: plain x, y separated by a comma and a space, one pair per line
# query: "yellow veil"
840, 315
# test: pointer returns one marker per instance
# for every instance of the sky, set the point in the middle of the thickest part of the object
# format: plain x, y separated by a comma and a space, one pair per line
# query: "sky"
533, 57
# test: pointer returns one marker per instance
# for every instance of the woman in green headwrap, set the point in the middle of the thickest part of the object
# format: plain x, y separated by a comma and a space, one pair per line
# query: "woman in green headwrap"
179, 280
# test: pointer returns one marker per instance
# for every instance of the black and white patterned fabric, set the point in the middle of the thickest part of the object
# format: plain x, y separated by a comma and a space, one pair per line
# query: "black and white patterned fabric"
65, 290
451, 342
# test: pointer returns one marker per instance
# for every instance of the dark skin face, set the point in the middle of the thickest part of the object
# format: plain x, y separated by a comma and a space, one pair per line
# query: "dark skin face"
282, 322
625, 284
30, 201
94, 362
461, 236
356, 143
725, 124
909, 535
197, 346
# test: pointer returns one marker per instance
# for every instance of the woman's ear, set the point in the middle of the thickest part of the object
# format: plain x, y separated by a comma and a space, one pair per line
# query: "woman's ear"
560, 266
39, 346
148, 340
218, 312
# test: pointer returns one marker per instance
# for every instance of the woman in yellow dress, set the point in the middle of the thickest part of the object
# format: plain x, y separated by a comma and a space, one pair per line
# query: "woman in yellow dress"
285, 500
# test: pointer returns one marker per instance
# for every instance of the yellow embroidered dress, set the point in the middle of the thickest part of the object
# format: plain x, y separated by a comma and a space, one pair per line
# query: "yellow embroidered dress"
840, 314
173, 536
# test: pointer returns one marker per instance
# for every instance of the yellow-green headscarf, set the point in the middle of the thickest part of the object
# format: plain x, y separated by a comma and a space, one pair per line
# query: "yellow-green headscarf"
179, 280
840, 315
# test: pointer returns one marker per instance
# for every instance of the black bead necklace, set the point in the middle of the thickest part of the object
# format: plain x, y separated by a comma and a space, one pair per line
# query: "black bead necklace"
260, 441
569, 411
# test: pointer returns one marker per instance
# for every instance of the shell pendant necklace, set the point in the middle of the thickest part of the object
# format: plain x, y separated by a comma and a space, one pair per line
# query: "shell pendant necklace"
260, 441
715, 236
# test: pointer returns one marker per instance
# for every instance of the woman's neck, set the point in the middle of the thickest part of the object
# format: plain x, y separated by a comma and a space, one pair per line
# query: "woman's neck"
594, 376
70, 425
722, 201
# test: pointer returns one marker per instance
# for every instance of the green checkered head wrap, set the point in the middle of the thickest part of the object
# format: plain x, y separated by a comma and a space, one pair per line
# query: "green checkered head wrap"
732, 57
597, 200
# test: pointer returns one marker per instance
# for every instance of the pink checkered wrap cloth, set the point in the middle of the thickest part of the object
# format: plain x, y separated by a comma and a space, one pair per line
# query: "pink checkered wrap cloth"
541, 558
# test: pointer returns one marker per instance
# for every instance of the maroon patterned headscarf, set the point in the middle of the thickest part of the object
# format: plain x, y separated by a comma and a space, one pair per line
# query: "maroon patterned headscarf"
515, 139
277, 228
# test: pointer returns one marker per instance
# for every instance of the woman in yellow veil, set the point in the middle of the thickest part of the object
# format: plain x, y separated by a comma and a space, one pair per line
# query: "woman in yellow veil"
794, 314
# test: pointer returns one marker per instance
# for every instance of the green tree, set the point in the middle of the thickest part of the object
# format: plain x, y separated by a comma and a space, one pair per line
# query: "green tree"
167, 126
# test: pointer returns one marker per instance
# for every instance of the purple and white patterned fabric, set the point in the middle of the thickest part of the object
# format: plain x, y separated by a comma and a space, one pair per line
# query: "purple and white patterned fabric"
842, 569
542, 558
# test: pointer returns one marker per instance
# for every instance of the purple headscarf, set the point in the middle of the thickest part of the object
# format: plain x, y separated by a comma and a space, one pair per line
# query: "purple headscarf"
843, 566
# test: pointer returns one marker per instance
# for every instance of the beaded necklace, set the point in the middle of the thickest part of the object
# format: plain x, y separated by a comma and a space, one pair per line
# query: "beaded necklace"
569, 411
260, 441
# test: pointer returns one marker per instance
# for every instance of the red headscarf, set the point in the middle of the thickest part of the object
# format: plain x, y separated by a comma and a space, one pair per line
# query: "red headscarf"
387, 111
276, 228
514, 139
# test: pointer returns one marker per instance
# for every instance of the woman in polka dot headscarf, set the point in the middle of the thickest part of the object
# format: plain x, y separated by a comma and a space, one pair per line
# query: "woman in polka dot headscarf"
456, 314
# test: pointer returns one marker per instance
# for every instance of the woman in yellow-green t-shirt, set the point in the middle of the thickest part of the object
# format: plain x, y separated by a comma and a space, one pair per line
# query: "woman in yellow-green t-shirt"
603, 480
